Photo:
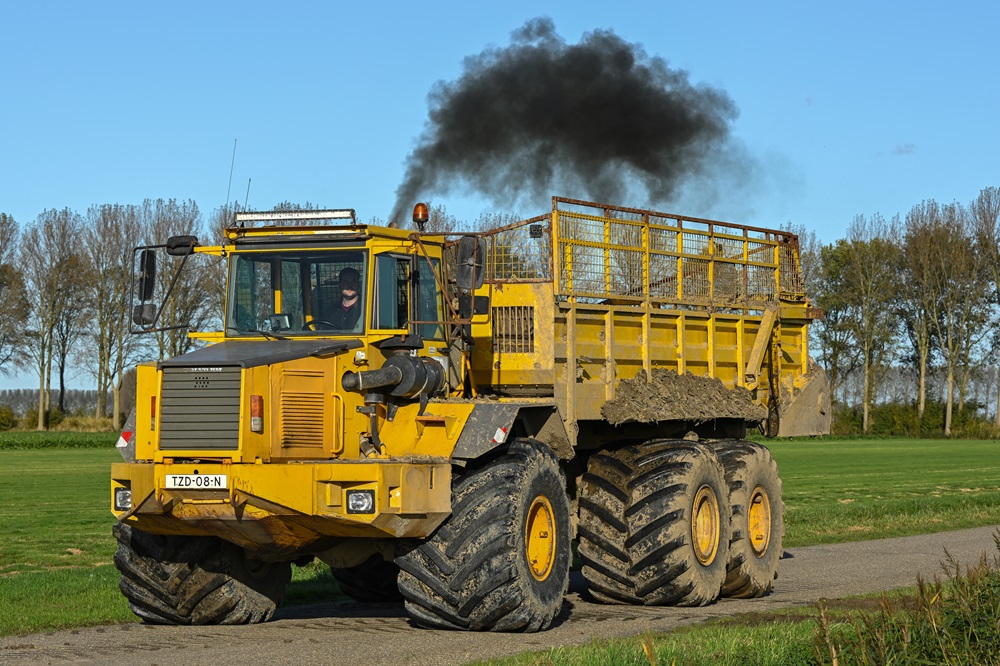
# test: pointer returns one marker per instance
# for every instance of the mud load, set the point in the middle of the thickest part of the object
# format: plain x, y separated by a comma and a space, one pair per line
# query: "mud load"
438, 418
670, 397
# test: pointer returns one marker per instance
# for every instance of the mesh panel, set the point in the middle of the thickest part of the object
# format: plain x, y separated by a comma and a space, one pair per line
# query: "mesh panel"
791, 272
608, 253
519, 252
627, 255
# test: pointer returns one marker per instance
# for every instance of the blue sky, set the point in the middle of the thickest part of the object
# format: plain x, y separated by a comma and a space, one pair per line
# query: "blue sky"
848, 107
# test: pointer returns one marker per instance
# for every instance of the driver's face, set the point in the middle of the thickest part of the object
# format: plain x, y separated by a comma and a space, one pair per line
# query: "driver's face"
349, 290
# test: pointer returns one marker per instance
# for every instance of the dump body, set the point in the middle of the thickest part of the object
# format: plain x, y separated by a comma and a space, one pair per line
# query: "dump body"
628, 291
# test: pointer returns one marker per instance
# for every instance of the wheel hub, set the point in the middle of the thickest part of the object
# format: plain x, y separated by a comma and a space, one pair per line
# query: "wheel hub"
759, 521
705, 525
540, 538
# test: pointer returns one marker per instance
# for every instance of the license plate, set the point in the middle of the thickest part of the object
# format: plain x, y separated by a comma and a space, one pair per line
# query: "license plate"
196, 482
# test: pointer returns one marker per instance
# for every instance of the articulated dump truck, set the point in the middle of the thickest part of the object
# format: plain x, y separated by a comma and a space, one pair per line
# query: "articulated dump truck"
437, 418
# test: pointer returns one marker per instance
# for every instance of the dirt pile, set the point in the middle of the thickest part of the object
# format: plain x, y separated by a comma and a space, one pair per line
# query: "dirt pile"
673, 397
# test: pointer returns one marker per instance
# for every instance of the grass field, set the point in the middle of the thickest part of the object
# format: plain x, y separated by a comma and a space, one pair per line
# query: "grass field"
850, 490
56, 550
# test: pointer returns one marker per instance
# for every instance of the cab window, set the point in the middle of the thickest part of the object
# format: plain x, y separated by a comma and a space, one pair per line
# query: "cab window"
297, 292
391, 309
393, 283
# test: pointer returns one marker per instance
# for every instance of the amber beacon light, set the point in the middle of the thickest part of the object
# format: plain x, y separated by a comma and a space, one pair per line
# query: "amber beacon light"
420, 216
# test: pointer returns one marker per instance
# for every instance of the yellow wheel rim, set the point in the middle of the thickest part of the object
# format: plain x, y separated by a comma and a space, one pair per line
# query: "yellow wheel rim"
759, 519
540, 538
705, 525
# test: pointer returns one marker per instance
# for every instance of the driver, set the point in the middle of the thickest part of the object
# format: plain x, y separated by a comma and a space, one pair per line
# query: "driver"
345, 315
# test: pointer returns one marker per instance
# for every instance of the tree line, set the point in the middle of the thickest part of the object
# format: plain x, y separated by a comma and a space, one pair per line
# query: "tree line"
911, 303
65, 281
65, 295
913, 299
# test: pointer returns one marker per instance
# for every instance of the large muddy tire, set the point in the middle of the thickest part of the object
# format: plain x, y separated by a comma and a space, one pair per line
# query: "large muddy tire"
757, 518
654, 524
195, 580
501, 560
372, 580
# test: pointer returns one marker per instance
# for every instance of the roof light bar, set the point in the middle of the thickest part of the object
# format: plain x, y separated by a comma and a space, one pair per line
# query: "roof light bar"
291, 215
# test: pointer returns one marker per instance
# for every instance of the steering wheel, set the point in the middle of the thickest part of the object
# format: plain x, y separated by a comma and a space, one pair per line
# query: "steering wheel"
312, 324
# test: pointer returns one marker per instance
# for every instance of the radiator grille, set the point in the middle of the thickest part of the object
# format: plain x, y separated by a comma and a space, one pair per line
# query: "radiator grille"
200, 408
514, 329
302, 419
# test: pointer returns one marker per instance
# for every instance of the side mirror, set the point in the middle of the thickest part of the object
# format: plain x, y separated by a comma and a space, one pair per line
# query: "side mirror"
147, 274
471, 259
144, 315
180, 246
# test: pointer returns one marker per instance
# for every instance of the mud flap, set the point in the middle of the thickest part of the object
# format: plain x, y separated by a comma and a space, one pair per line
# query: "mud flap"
806, 411
488, 427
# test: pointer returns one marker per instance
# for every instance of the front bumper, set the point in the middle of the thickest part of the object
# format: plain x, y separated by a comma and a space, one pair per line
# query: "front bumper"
281, 510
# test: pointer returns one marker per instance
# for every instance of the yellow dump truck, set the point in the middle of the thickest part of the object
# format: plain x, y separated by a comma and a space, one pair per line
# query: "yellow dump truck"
438, 417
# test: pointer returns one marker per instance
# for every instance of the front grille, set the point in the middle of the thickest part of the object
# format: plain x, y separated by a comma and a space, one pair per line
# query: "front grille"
514, 329
200, 408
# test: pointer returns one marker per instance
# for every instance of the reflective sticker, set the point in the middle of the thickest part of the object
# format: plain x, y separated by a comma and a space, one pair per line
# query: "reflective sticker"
500, 436
124, 439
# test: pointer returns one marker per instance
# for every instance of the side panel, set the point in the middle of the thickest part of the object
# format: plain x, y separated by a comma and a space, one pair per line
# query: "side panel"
581, 355
307, 408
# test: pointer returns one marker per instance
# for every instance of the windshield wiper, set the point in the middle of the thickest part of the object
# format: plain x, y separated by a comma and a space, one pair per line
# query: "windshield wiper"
269, 336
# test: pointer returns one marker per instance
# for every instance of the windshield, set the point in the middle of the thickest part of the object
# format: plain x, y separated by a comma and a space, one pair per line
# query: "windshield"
301, 293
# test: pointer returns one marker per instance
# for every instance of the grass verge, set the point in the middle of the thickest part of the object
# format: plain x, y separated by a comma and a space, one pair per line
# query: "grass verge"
952, 622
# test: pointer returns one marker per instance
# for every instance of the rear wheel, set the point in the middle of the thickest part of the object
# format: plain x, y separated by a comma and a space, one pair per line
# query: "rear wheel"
372, 580
195, 580
654, 524
757, 517
501, 560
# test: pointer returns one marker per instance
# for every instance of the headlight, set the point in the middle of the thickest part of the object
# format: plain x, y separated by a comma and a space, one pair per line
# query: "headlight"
123, 499
361, 501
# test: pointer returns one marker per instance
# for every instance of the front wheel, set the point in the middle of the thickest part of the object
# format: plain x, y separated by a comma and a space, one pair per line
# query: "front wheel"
501, 560
195, 580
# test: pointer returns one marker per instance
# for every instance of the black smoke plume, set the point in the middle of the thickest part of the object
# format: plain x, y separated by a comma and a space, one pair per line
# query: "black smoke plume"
542, 117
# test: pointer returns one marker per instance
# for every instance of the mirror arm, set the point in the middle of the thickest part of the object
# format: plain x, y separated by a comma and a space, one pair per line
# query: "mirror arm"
151, 328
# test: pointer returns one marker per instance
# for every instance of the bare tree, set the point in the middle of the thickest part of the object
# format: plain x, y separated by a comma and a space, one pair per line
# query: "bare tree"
72, 318
870, 287
985, 214
923, 232
111, 231
13, 302
961, 293
838, 353
49, 260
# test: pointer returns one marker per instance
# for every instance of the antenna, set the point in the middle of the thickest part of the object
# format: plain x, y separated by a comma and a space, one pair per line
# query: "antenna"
229, 189
248, 194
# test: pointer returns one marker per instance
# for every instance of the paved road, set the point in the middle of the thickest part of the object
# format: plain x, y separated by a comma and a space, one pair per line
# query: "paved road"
349, 634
